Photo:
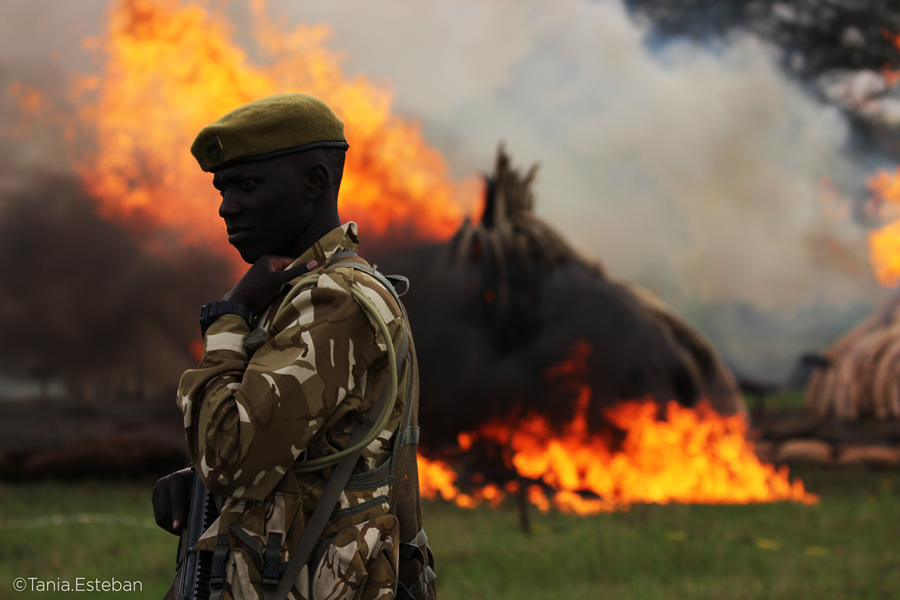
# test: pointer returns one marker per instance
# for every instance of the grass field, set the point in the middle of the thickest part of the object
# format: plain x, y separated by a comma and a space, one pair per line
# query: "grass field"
844, 547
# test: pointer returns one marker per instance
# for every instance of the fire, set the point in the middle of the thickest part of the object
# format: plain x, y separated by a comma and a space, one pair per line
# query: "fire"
884, 244
172, 66
693, 456
436, 477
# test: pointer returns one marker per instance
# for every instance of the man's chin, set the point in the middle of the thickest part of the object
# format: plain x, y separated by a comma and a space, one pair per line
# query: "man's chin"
248, 255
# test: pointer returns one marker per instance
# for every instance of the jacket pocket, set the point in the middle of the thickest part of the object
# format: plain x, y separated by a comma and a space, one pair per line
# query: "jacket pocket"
359, 563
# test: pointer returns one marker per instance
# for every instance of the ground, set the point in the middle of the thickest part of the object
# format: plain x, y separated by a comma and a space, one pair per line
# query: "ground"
844, 547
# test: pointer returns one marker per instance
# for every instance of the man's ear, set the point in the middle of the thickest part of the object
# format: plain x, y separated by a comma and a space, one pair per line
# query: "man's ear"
317, 179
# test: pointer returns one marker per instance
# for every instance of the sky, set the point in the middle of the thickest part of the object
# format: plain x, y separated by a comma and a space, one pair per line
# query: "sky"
695, 170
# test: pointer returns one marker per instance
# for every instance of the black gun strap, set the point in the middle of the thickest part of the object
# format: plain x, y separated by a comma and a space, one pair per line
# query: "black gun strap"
332, 492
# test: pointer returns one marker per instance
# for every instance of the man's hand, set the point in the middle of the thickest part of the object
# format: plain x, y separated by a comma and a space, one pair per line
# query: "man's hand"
261, 283
171, 497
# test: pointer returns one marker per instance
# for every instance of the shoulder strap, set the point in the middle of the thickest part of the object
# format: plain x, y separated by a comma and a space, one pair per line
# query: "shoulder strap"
397, 285
336, 483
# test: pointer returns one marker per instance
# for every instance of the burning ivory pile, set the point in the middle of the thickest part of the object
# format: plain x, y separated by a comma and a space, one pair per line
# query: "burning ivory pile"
548, 381
507, 297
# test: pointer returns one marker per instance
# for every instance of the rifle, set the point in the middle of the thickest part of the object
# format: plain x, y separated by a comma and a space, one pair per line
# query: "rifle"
193, 582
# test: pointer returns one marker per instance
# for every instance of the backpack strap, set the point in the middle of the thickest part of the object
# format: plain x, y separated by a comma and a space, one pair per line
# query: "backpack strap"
397, 285
217, 574
417, 549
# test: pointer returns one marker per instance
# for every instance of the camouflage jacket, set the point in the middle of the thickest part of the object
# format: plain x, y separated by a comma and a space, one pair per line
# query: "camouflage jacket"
290, 390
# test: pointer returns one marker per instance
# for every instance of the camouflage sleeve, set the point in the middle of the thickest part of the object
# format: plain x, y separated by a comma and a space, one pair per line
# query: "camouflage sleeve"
248, 418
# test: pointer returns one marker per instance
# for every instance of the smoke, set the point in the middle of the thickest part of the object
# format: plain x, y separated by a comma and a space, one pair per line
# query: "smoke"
103, 310
706, 160
594, 326
86, 302
694, 169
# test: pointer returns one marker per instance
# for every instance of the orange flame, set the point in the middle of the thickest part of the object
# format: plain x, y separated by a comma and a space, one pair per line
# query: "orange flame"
884, 243
436, 477
172, 67
693, 456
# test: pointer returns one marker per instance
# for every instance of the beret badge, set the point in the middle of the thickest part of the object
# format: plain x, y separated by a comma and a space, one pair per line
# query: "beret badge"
213, 148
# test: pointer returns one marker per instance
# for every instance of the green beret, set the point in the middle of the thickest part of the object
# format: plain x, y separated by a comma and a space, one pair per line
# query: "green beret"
267, 128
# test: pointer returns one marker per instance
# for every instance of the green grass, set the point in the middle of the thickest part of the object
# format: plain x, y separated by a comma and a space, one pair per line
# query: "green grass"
844, 547
134, 551
769, 551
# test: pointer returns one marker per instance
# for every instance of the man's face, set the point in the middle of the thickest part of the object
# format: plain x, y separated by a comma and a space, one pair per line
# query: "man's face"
264, 206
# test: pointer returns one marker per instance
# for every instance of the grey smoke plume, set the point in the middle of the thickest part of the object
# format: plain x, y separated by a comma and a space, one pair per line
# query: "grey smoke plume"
694, 169
703, 160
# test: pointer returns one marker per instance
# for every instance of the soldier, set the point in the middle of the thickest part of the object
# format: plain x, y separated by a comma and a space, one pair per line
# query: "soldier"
301, 358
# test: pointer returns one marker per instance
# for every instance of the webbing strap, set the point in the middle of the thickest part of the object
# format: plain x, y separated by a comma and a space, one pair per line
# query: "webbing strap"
418, 546
410, 435
421, 539
272, 556
332, 492
402, 593
217, 573
419, 587
247, 539
391, 282
426, 577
